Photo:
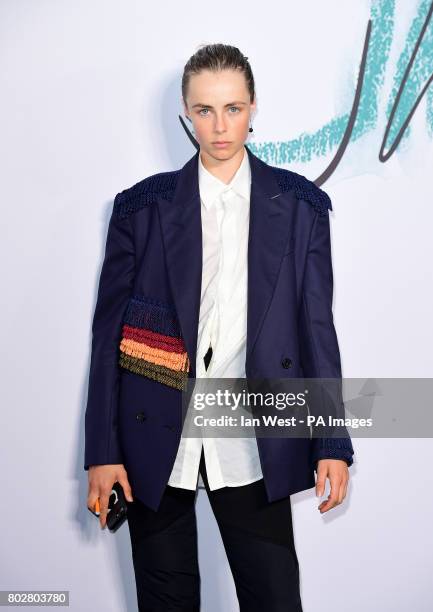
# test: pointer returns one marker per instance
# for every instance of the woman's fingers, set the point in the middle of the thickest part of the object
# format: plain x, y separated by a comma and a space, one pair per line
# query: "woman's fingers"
101, 481
123, 480
103, 500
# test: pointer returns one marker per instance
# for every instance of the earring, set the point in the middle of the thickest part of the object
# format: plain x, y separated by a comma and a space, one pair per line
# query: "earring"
250, 128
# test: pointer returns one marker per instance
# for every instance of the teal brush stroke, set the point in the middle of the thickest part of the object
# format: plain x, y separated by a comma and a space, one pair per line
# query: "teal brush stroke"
430, 112
327, 138
421, 70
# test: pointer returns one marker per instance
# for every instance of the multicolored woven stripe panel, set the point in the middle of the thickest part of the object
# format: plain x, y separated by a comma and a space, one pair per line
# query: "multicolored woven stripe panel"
152, 343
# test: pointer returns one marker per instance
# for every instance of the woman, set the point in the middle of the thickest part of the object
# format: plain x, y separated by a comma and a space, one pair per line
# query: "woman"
201, 278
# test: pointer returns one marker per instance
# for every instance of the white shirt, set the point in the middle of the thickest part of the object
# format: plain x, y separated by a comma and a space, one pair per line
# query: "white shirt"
223, 323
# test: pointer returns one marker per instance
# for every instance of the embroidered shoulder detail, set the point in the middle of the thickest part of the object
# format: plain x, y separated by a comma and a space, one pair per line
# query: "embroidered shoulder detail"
304, 189
145, 192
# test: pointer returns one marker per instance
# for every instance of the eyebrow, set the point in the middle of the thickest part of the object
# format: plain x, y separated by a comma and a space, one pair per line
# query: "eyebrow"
209, 106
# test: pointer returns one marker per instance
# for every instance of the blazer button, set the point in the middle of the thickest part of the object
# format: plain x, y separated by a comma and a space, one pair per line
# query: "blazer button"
141, 417
286, 363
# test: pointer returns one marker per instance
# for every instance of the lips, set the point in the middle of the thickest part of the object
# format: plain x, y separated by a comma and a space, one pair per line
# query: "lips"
221, 145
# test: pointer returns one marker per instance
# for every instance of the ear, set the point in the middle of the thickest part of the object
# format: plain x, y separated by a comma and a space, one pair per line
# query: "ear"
253, 105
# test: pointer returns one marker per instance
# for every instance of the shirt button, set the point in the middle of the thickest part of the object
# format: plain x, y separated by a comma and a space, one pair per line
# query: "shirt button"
286, 363
140, 417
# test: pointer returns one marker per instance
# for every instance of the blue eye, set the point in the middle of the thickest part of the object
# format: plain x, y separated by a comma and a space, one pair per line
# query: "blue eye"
205, 111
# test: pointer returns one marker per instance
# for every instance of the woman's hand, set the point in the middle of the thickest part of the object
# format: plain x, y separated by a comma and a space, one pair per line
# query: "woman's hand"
101, 480
338, 474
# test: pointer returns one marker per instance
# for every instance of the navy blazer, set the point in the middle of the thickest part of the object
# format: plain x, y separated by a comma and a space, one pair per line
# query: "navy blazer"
149, 294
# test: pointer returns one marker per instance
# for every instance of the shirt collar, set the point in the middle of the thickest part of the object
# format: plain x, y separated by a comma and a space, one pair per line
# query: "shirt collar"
211, 187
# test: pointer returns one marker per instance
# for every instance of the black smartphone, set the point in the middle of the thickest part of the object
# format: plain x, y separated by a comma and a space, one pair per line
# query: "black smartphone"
117, 508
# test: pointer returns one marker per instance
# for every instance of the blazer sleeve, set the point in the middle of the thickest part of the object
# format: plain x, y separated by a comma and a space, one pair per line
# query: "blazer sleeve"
115, 287
320, 354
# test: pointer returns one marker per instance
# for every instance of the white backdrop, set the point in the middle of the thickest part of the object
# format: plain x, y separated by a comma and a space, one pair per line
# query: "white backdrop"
90, 96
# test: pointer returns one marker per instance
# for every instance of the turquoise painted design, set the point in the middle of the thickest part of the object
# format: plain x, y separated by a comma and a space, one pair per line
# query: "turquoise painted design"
420, 71
327, 138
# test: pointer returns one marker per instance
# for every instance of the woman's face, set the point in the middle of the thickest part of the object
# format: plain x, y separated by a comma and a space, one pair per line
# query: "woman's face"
218, 104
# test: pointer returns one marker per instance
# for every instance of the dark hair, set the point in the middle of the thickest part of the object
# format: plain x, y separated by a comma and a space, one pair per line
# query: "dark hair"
217, 57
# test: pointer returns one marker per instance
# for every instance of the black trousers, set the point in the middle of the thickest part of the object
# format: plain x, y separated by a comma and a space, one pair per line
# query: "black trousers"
257, 537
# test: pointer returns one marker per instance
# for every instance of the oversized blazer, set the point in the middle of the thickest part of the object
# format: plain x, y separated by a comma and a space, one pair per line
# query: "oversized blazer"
145, 323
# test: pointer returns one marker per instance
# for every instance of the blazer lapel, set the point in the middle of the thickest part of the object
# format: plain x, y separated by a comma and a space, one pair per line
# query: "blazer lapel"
270, 225
180, 220
269, 228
